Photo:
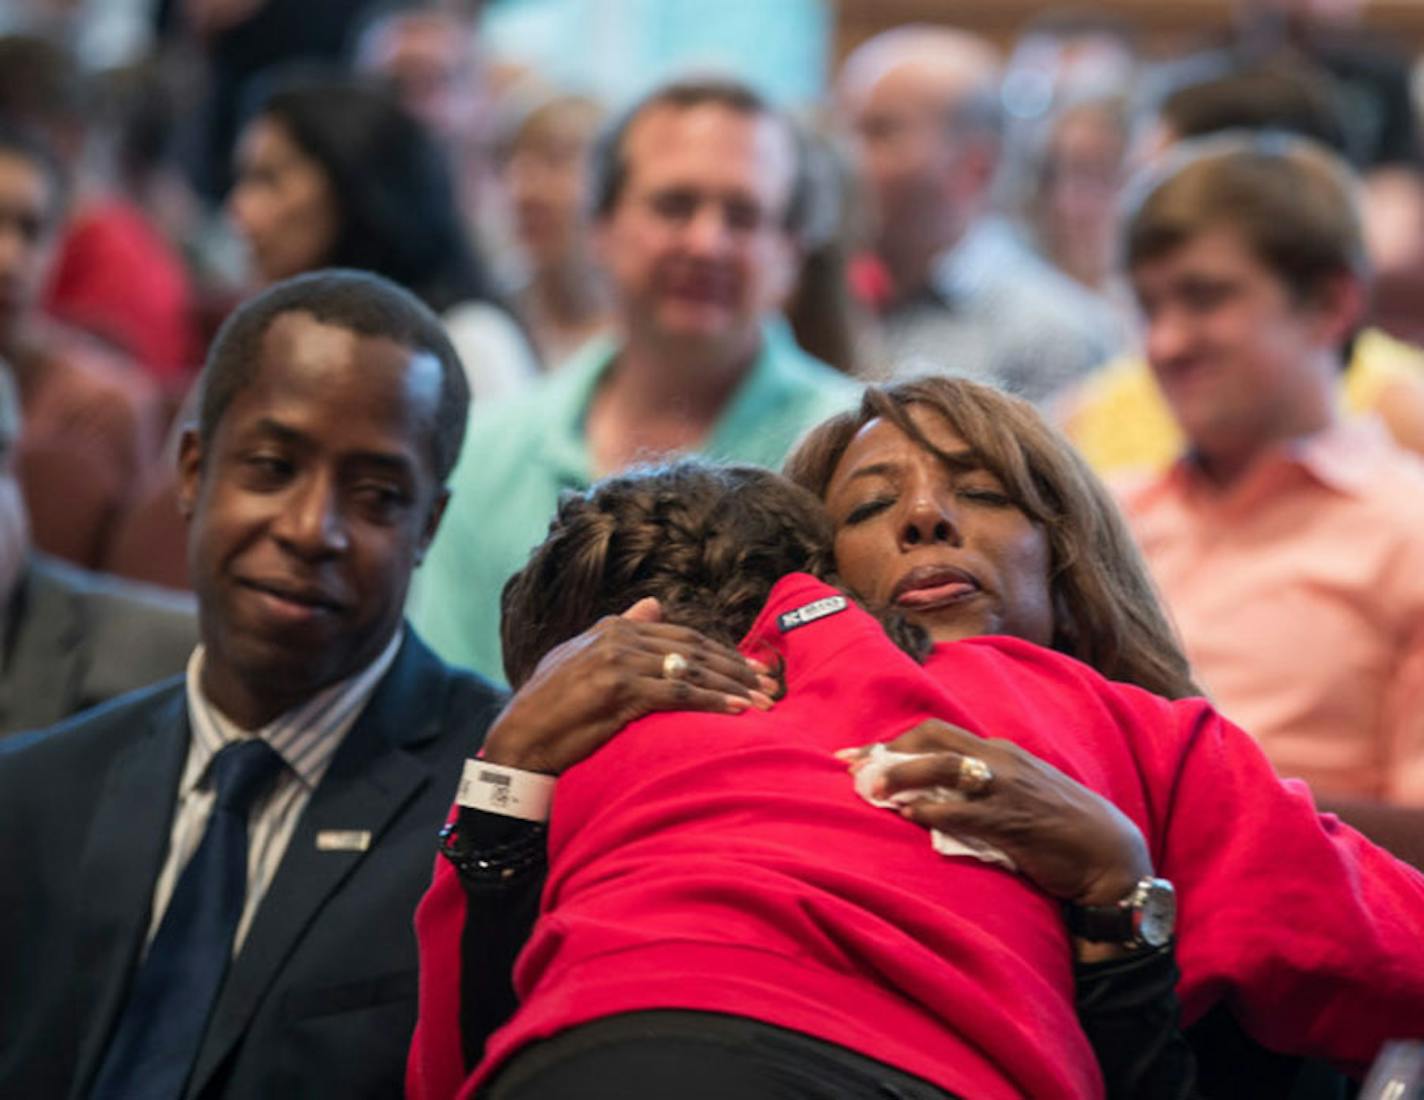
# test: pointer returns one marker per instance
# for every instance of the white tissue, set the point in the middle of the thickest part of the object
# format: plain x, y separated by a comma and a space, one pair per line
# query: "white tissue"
875, 764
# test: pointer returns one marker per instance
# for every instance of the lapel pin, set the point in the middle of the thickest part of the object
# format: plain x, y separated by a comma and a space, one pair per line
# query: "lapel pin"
343, 840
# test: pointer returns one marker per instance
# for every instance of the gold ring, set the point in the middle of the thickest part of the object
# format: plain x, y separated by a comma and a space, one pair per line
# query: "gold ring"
674, 666
975, 776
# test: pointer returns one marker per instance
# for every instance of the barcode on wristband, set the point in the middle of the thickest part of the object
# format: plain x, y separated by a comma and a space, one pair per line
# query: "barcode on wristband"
512, 792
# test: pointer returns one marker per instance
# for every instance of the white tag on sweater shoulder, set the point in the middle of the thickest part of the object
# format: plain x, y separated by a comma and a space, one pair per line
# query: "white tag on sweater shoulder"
809, 613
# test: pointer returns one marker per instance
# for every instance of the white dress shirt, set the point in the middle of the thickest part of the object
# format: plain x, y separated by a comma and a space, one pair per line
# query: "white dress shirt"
306, 737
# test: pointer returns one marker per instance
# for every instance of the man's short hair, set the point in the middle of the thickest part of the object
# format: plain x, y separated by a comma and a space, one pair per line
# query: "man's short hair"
972, 110
360, 302
41, 82
608, 162
1288, 95
1291, 200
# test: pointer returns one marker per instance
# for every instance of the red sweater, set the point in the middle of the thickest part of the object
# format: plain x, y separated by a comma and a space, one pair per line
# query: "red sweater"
725, 864
116, 277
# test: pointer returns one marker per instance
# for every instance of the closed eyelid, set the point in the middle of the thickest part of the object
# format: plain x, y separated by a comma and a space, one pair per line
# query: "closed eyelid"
865, 508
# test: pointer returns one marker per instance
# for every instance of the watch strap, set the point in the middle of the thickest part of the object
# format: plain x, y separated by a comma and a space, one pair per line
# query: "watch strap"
1145, 917
1101, 923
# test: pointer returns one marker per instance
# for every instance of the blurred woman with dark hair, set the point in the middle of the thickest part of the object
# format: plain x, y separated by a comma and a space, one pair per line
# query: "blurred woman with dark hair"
333, 172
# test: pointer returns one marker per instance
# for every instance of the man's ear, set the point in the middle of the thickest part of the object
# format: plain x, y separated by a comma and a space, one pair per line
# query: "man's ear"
972, 167
432, 523
788, 261
1340, 302
190, 472
600, 240
981, 161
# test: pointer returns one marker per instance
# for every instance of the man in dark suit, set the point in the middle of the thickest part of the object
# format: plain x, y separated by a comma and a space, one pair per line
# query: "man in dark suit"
72, 638
209, 884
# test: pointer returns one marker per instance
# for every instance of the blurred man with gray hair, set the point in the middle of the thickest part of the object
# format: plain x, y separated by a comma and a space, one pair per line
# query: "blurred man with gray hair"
962, 294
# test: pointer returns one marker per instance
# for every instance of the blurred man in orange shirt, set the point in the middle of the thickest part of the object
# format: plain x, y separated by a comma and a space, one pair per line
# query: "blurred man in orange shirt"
1289, 544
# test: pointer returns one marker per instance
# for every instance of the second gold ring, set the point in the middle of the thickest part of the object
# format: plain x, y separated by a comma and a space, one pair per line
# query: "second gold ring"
975, 776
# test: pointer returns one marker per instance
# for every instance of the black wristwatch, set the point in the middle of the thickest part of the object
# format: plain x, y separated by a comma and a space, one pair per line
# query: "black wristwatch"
1145, 918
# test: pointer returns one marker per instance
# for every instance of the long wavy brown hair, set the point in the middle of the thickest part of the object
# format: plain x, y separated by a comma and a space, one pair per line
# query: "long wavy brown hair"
1106, 611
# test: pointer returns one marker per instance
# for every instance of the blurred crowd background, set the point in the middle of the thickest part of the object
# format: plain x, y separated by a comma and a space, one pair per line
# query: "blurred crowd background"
160, 160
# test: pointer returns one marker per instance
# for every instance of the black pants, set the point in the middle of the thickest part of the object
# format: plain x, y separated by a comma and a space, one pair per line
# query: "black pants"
697, 1056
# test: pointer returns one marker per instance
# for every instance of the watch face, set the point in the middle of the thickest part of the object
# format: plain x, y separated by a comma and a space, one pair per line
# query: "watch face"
1157, 915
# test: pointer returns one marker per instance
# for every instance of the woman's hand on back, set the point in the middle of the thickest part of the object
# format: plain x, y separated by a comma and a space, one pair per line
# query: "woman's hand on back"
586, 690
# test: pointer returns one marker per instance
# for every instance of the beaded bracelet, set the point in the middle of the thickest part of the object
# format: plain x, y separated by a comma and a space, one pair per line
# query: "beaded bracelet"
498, 864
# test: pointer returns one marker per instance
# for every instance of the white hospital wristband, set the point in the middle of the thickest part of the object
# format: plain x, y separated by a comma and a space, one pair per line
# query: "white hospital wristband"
512, 792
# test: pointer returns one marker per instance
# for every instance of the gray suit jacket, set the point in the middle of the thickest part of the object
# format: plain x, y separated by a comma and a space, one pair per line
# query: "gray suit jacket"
75, 638
321, 1000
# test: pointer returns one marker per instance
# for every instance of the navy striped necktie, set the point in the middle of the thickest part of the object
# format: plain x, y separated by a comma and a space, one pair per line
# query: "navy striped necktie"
161, 1027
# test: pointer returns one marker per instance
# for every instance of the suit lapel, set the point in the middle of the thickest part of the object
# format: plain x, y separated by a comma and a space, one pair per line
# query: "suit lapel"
370, 779
128, 840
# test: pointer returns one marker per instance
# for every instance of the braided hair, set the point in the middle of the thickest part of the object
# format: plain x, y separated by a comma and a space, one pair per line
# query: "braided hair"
708, 541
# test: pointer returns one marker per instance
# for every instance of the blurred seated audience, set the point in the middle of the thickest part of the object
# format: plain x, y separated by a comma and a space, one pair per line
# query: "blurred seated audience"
1117, 416
700, 196
92, 419
1371, 73
1284, 94
114, 274
430, 53
1077, 177
827, 317
1067, 93
1067, 55
150, 540
70, 638
959, 292
1394, 235
544, 164
1288, 542
332, 171
236, 42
